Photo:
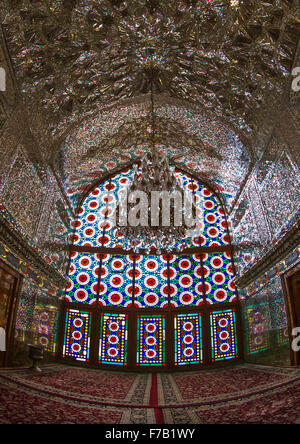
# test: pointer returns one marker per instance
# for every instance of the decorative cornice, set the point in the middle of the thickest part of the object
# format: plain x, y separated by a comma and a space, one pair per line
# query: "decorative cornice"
279, 251
10, 236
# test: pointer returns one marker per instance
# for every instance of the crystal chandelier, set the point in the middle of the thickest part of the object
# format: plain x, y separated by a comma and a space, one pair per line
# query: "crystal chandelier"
162, 194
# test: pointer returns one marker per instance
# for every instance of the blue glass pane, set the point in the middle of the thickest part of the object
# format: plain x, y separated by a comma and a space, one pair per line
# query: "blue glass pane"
151, 283
218, 272
116, 284
83, 278
185, 281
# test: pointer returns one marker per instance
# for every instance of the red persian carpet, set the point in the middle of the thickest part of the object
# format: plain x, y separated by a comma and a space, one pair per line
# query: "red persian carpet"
62, 394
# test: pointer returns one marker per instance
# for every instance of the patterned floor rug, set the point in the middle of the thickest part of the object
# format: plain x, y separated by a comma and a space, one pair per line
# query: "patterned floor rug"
62, 394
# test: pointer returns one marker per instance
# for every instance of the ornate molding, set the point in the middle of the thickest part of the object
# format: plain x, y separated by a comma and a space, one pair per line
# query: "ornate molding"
10, 237
285, 245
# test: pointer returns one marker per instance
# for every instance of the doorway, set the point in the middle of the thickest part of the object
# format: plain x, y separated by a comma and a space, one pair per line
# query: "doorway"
10, 284
292, 284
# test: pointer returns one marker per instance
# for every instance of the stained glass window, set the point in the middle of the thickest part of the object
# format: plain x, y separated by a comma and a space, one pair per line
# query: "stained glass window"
151, 282
116, 284
124, 282
188, 339
258, 324
94, 225
83, 278
150, 340
283, 336
223, 335
91, 218
186, 281
214, 226
77, 335
218, 275
113, 339
45, 328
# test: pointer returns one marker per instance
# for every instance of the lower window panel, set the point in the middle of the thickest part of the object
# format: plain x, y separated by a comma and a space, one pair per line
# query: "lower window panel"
77, 335
166, 340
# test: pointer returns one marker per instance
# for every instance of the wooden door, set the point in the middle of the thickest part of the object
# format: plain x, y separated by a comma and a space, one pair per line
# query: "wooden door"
9, 290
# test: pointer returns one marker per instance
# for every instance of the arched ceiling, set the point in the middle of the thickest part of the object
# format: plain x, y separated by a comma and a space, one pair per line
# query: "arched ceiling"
226, 55
214, 66
190, 138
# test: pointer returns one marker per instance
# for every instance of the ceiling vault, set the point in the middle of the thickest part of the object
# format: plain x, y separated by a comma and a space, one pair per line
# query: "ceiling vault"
82, 74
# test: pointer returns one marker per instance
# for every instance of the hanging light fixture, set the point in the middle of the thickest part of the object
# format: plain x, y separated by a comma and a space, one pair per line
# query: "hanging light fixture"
155, 212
